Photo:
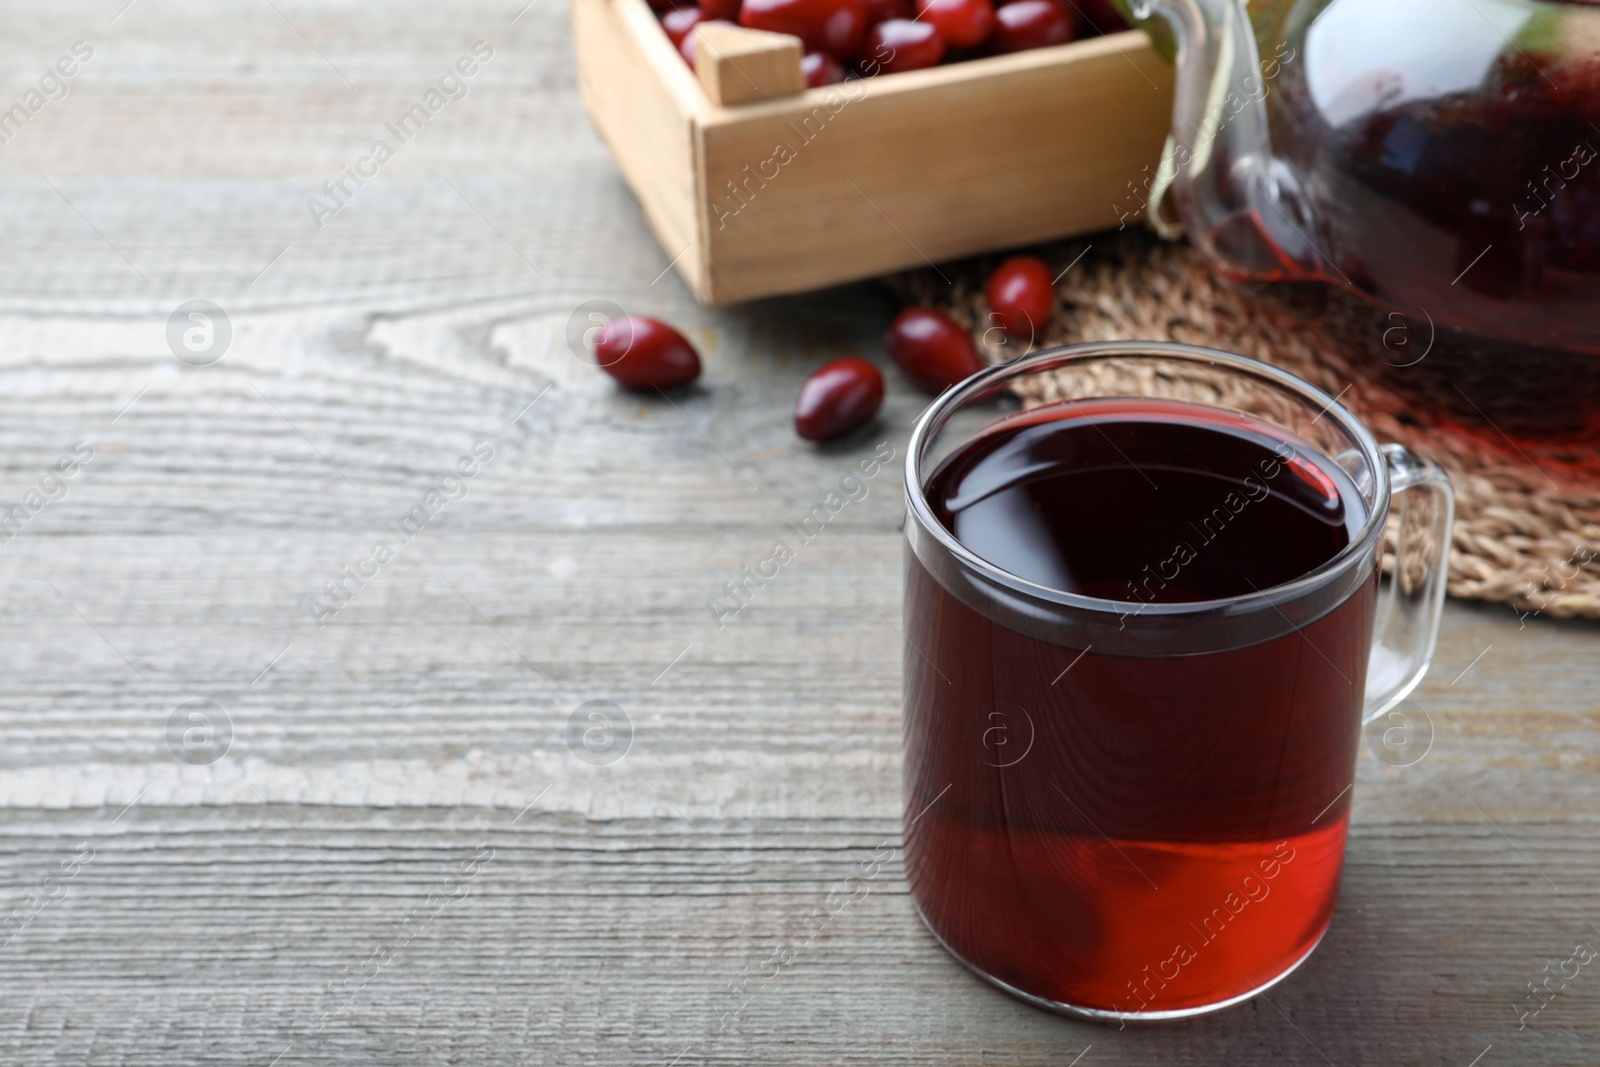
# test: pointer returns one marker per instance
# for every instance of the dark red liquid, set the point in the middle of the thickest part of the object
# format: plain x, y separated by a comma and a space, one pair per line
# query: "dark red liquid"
1458, 232
1500, 191
1473, 213
1120, 832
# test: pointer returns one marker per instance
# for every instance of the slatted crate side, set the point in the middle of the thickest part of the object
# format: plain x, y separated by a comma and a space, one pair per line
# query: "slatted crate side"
853, 181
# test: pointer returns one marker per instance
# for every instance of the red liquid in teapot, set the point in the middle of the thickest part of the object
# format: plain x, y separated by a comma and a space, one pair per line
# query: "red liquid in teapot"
1124, 833
1484, 209
1459, 238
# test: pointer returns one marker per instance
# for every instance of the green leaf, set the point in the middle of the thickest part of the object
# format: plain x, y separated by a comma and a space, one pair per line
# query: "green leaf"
1155, 27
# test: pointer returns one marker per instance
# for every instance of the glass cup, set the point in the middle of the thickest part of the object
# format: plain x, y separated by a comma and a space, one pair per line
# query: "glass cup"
1121, 809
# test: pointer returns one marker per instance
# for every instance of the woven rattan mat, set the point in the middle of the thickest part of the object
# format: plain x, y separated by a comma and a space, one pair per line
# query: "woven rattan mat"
1519, 433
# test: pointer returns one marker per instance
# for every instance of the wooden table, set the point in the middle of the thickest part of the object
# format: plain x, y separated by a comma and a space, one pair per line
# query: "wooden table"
399, 858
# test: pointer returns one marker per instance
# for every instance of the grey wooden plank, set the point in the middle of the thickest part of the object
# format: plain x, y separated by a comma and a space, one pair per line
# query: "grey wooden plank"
618, 943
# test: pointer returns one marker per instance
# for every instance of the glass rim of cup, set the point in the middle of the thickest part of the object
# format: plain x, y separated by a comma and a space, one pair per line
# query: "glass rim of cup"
991, 381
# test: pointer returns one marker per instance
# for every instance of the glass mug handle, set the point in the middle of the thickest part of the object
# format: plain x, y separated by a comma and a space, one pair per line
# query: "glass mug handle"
1407, 626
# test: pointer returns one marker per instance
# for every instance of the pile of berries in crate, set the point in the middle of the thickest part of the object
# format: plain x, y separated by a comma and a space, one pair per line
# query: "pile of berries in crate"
864, 38
931, 349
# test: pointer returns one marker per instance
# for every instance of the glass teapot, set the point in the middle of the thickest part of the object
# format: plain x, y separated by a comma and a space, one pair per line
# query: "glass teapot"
1438, 157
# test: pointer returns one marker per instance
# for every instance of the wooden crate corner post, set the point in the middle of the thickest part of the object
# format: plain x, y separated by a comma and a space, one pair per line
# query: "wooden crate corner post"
737, 65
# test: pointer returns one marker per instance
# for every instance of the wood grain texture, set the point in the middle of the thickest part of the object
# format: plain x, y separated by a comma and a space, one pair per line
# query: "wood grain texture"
230, 913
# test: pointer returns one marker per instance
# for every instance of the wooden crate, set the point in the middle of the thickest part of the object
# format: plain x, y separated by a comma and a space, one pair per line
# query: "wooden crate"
821, 186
